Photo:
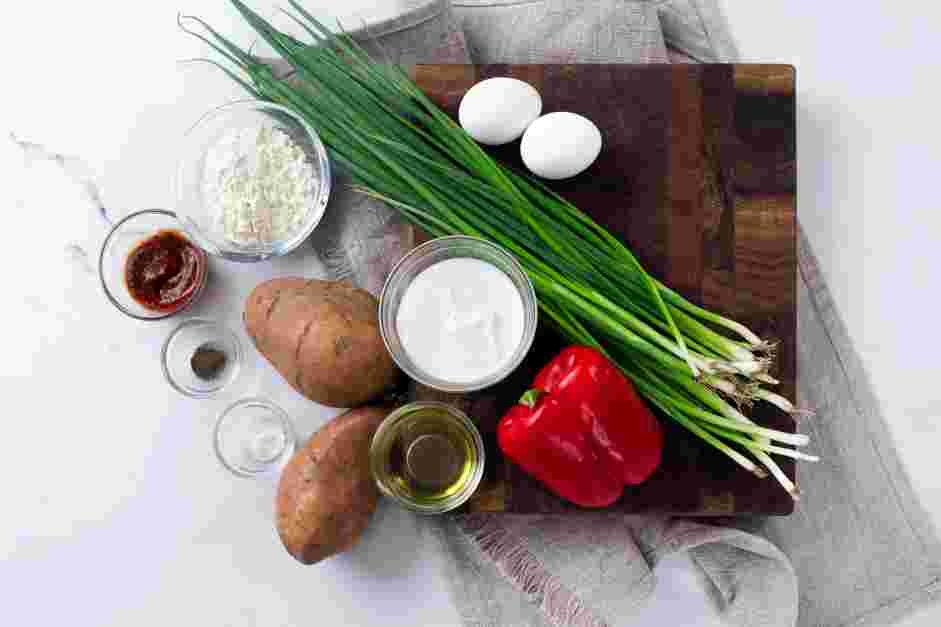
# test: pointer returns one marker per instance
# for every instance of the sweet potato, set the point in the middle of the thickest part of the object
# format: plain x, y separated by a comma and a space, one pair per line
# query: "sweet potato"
326, 493
323, 337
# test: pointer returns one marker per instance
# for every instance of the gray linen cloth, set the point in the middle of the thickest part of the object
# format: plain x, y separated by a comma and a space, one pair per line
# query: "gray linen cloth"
863, 549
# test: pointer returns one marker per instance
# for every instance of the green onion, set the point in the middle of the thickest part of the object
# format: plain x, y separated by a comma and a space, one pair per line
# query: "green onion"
398, 146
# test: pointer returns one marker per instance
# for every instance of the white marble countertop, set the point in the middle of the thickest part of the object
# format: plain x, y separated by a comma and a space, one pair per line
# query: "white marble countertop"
117, 512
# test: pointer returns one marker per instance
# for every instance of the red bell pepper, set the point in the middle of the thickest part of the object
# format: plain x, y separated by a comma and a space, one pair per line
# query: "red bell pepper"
582, 430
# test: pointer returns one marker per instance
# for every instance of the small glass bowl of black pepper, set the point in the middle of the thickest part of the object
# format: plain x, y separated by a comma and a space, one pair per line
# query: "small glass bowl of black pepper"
201, 358
148, 268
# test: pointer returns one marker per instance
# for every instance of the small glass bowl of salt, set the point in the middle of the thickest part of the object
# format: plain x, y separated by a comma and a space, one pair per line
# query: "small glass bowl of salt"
254, 438
253, 181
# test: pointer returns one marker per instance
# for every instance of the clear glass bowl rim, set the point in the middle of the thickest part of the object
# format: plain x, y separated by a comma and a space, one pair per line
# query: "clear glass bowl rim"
391, 421
101, 261
237, 358
251, 400
530, 304
323, 193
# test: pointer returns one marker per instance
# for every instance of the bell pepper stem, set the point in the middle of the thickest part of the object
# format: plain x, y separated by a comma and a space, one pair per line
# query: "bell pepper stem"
531, 397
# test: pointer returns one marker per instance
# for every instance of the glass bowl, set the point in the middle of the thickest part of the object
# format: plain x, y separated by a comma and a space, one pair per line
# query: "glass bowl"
236, 122
428, 254
178, 352
254, 438
404, 430
120, 241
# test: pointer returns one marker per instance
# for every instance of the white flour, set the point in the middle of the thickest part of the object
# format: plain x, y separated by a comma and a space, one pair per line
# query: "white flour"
258, 185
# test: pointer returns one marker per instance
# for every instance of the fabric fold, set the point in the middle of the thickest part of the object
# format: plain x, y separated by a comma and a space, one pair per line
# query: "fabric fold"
561, 31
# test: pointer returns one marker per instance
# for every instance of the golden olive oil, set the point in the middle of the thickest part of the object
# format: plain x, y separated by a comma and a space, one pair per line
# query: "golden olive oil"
427, 456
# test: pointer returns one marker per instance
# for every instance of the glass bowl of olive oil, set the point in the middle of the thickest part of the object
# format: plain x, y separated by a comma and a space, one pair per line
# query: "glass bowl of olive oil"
428, 457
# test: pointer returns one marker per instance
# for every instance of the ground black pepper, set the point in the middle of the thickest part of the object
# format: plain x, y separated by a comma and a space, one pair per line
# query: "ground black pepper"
207, 362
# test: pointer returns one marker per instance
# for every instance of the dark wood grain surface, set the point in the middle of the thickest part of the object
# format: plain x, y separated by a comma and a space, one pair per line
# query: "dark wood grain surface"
698, 175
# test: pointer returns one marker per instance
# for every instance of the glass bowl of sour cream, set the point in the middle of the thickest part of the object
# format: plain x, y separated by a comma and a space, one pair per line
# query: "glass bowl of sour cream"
458, 314
252, 181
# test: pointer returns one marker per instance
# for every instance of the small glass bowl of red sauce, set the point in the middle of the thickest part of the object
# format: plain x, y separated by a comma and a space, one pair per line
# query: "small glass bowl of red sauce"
149, 268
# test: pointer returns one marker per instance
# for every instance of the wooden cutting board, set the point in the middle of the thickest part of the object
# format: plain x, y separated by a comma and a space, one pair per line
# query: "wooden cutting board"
698, 175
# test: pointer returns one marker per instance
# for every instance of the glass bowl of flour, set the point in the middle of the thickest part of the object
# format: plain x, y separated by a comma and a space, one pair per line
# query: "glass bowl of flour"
253, 181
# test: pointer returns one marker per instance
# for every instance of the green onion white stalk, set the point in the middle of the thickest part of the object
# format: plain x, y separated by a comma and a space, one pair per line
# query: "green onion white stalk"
397, 145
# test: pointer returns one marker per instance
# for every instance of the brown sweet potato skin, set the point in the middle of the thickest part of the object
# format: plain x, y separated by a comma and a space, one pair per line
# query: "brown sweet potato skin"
323, 337
326, 493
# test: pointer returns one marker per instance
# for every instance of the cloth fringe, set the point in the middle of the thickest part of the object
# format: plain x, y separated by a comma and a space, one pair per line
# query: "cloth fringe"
514, 561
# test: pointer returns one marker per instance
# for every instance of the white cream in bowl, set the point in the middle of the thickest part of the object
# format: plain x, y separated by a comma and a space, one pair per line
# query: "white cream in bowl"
461, 320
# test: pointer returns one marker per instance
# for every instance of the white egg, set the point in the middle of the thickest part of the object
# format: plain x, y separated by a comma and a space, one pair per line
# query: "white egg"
497, 111
560, 145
